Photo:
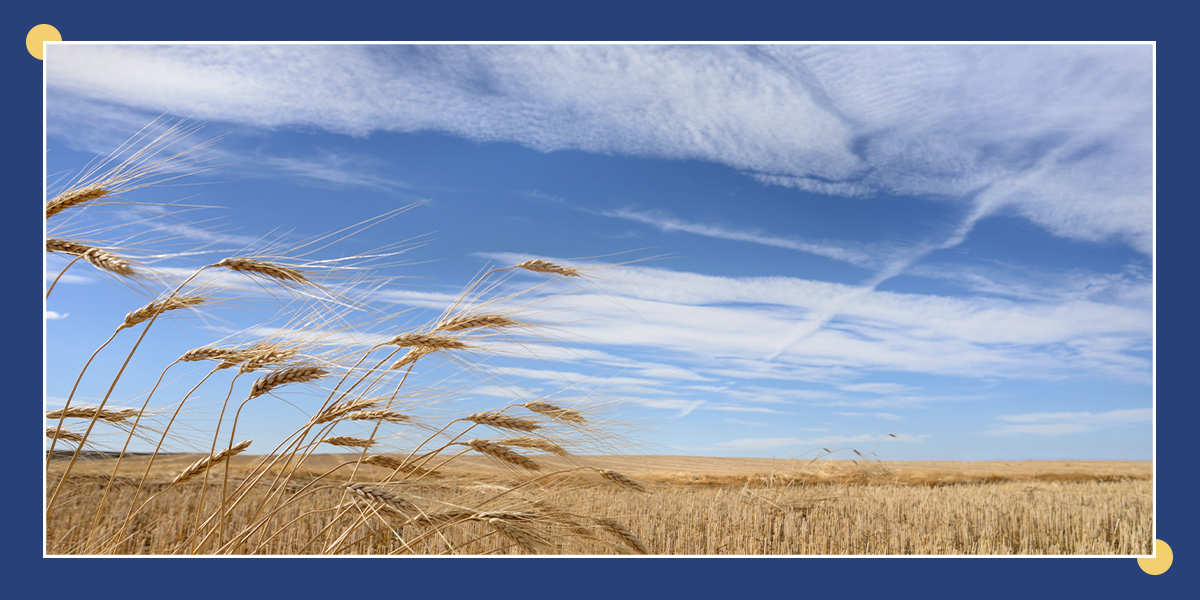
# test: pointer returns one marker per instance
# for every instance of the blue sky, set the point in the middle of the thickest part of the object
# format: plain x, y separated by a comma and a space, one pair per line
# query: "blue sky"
951, 243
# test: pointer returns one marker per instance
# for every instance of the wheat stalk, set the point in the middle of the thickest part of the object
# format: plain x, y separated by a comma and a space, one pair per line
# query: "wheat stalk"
204, 464
554, 412
502, 421
502, 453
154, 309
258, 267
285, 376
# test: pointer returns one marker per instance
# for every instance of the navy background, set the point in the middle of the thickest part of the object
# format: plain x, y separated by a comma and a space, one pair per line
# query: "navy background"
219, 20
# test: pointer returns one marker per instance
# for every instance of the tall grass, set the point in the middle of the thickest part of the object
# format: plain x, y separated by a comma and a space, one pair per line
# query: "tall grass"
361, 376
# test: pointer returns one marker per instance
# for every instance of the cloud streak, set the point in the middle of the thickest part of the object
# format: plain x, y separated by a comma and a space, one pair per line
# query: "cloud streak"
1061, 134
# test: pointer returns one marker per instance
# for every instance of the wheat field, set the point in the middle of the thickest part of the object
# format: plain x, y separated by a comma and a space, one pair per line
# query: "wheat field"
713, 506
384, 458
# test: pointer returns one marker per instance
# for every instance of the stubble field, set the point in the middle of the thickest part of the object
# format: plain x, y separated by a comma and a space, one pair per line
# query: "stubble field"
702, 506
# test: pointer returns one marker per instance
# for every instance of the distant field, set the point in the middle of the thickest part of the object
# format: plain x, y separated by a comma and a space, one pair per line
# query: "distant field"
697, 506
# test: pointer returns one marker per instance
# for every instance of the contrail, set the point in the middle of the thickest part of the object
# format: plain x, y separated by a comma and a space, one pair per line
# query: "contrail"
826, 313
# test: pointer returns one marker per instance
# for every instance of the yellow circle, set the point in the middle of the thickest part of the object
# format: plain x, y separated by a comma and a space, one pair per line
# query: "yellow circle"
39, 34
1161, 561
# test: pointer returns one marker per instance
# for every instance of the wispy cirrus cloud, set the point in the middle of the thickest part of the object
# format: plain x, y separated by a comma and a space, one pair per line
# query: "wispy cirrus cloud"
668, 223
1061, 134
1063, 423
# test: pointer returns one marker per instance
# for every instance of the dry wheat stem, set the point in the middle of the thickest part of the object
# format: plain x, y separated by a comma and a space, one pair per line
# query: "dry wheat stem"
285, 376
258, 267
204, 464
154, 309
463, 322
542, 266
503, 421
525, 441
502, 453
554, 412
346, 440
75, 412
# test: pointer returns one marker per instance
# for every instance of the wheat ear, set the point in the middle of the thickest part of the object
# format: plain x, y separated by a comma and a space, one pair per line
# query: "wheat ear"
154, 309
503, 421
426, 341
395, 464
258, 267
462, 322
502, 453
526, 441
345, 440
112, 416
621, 480
103, 259
377, 415
335, 412
285, 376
627, 537
204, 464
542, 266
71, 198
554, 412
380, 496
63, 434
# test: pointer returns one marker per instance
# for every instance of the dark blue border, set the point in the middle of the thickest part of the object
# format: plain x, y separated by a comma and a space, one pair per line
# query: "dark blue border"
229, 21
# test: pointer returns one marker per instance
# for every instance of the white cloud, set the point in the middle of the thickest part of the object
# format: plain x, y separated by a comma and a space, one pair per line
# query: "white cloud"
51, 315
1059, 133
1062, 423
875, 388
667, 223
878, 415
748, 423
